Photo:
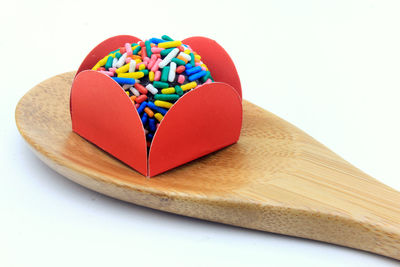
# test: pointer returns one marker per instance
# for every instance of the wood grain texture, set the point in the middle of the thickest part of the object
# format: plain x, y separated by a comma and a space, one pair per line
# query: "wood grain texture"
276, 178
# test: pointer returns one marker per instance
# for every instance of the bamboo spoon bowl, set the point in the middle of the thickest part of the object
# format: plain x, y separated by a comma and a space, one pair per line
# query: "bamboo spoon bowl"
276, 178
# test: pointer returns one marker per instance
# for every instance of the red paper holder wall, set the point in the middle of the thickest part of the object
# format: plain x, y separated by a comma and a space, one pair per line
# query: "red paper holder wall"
200, 122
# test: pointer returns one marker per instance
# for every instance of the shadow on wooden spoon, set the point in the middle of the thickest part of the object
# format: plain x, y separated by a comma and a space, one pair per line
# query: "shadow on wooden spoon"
276, 178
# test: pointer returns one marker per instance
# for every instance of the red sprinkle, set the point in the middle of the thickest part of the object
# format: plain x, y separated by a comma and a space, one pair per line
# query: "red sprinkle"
144, 52
180, 69
140, 88
122, 50
141, 98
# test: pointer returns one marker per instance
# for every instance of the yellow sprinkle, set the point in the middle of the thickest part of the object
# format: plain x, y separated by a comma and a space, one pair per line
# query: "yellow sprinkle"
188, 86
187, 51
134, 75
96, 66
127, 93
204, 65
170, 90
142, 67
197, 58
169, 44
102, 61
158, 116
151, 76
123, 69
138, 61
162, 104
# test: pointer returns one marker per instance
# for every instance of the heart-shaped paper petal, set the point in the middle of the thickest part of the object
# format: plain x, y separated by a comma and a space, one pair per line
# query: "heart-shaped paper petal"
202, 121
217, 60
102, 113
104, 48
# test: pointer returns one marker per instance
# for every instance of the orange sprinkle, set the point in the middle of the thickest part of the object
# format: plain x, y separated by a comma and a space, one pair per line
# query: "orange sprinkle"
135, 57
149, 112
182, 58
133, 99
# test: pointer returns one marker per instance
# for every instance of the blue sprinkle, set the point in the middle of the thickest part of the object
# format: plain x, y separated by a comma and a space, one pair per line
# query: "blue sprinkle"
149, 136
156, 40
151, 105
141, 107
124, 80
193, 70
197, 75
144, 118
188, 66
152, 125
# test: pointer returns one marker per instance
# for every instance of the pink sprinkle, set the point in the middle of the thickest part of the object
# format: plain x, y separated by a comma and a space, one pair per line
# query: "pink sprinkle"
128, 48
157, 75
157, 125
208, 81
181, 79
203, 68
156, 49
109, 73
112, 70
127, 60
146, 59
198, 64
155, 66
152, 61
137, 105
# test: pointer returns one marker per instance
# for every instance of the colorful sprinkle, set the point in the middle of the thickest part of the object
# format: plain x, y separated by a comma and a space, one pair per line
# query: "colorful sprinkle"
155, 74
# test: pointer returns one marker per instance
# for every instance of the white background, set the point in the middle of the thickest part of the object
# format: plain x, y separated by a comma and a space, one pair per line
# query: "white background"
331, 68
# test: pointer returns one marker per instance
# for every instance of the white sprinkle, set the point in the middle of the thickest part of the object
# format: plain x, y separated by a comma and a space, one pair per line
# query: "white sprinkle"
152, 89
126, 86
121, 60
169, 57
132, 66
172, 70
137, 81
134, 91
115, 60
186, 56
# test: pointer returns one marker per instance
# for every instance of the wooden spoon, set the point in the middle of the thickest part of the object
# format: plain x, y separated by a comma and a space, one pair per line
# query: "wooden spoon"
276, 178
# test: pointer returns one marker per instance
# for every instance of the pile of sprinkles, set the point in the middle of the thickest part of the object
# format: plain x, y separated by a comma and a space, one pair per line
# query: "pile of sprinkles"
155, 74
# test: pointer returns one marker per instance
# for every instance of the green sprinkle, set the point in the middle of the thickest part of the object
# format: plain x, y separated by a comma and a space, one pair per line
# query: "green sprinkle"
133, 44
160, 85
178, 90
192, 62
109, 62
178, 61
136, 50
165, 52
206, 77
169, 97
146, 72
148, 48
118, 55
166, 38
164, 74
